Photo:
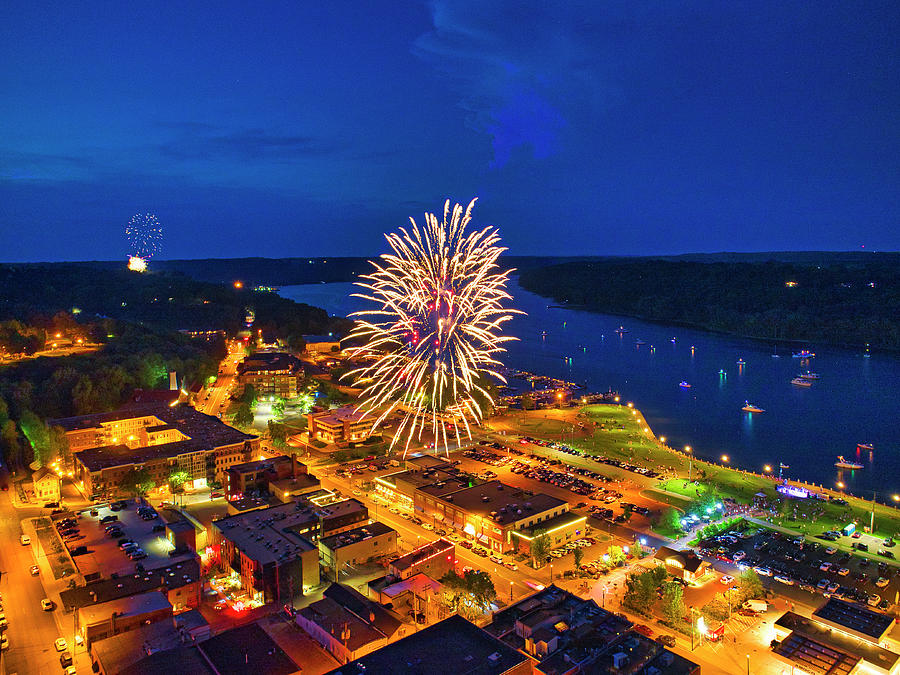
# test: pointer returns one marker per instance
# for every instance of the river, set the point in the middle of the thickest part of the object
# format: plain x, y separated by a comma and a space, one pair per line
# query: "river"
855, 401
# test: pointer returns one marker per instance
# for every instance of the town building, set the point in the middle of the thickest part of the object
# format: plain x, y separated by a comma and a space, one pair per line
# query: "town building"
158, 439
254, 477
96, 622
567, 635
436, 558
246, 649
452, 646
274, 550
322, 344
349, 625
685, 565
340, 426
46, 485
418, 596
357, 546
272, 373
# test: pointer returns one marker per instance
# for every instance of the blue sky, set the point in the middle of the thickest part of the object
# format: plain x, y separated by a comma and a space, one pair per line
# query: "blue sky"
303, 129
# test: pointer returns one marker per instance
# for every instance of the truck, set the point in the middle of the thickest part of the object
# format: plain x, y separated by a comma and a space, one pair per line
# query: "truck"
756, 605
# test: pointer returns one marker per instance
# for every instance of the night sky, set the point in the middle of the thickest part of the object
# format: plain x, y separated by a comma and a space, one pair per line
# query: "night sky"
310, 128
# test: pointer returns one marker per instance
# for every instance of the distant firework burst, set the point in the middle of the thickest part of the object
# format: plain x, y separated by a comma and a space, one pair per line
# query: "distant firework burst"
144, 235
435, 332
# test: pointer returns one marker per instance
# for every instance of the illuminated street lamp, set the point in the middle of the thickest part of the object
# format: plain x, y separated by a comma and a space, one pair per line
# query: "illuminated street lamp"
725, 459
662, 439
510, 591
767, 468
688, 450
896, 498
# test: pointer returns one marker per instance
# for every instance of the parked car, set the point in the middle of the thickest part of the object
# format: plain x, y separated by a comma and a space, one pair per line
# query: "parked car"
24, 539
109, 519
47, 605
35, 570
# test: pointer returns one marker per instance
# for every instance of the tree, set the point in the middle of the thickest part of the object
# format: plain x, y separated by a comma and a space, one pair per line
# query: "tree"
673, 603
579, 556
244, 415
278, 433
670, 521
471, 594
540, 547
9, 444
177, 479
278, 407
616, 556
137, 482
626, 512
38, 435
527, 402
751, 585
249, 395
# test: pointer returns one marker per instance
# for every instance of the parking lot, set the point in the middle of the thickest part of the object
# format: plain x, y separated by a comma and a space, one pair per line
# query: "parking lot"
104, 553
807, 566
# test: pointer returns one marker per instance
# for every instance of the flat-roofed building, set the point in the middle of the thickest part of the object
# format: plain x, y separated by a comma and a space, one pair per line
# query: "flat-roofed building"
453, 645
854, 619
274, 550
357, 546
255, 476
159, 439
96, 622
340, 426
435, 559
272, 373
246, 649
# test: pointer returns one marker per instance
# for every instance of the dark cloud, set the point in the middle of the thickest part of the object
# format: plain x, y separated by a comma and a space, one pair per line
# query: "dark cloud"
250, 144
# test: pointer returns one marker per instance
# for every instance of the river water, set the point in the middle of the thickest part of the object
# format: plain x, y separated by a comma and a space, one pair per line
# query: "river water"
857, 399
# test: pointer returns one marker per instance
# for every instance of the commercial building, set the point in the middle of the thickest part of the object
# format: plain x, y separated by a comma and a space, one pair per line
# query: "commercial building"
274, 550
96, 622
322, 344
128, 652
180, 582
435, 559
341, 552
566, 635
452, 646
501, 517
158, 439
272, 373
349, 625
340, 426
246, 649
685, 565
257, 476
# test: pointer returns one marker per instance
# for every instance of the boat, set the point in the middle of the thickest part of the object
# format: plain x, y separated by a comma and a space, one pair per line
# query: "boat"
809, 376
741, 362
544, 333
867, 355
803, 354
722, 372
800, 382
621, 330
865, 446
750, 408
684, 385
844, 464
673, 341
639, 342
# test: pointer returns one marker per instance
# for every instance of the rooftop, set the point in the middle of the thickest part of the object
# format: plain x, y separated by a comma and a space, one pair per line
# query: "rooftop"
133, 605
259, 362
424, 552
451, 646
418, 584
817, 636
269, 464
687, 558
170, 576
247, 649
338, 416
816, 657
854, 617
356, 535
503, 503
187, 660
557, 522
119, 652
204, 432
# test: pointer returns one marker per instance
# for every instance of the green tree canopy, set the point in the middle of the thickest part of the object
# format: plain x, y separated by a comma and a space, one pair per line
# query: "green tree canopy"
540, 547
471, 594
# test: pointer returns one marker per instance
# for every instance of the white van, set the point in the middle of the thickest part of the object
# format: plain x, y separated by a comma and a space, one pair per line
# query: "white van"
24, 539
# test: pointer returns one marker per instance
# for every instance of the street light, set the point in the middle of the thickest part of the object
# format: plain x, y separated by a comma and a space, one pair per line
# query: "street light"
725, 459
687, 449
767, 468
510, 591
748, 664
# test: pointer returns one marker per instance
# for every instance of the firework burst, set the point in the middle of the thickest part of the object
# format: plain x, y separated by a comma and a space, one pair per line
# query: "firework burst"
144, 235
435, 331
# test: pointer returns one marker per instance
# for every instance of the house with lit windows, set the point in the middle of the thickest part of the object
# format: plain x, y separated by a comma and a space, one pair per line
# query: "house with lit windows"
340, 426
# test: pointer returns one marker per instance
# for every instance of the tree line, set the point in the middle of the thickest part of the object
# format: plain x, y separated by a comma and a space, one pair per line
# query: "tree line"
839, 303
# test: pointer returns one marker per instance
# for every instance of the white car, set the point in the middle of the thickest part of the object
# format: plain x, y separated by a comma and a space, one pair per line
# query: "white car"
24, 539
726, 579
4, 642
61, 644
873, 600
882, 582
47, 605
825, 566
787, 581
427, 526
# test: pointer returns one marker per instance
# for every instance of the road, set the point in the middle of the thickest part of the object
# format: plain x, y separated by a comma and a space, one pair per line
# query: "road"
216, 400
31, 631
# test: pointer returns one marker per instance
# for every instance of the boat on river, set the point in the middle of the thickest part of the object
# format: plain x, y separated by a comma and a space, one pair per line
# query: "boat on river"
803, 354
809, 376
750, 408
621, 330
741, 362
684, 385
844, 464
800, 382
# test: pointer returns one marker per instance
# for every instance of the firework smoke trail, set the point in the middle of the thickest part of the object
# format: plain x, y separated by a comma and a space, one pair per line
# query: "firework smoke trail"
436, 329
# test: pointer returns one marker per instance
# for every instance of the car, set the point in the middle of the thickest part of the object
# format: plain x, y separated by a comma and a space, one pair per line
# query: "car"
726, 579
65, 659
643, 630
873, 600
667, 640
884, 604
784, 579
825, 566
4, 642
885, 553
48, 605
881, 582
24, 539
762, 571
843, 571
511, 565
35, 570
70, 670
109, 519
832, 587
822, 585
809, 588
215, 495
427, 526
138, 555
61, 644
220, 605
831, 550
